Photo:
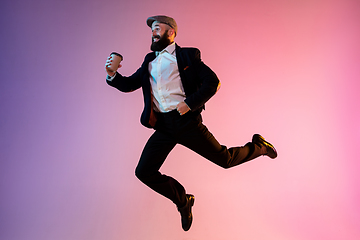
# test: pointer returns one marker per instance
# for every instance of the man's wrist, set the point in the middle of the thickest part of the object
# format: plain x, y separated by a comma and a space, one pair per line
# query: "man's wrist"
187, 106
110, 78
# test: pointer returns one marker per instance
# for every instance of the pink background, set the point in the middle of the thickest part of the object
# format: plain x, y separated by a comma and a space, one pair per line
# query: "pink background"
69, 143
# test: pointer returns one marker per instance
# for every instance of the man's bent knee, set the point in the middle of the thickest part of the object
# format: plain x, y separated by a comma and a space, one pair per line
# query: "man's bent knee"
140, 174
144, 175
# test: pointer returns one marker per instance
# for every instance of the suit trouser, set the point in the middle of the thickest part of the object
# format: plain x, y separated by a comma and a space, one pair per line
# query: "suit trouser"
187, 130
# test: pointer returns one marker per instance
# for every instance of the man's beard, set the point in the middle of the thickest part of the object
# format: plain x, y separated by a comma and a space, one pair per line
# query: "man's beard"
163, 42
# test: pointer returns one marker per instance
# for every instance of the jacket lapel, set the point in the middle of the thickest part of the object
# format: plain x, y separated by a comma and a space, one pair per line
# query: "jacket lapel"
180, 62
148, 97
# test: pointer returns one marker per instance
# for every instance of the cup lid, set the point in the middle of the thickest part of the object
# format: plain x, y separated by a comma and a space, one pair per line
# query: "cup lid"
117, 54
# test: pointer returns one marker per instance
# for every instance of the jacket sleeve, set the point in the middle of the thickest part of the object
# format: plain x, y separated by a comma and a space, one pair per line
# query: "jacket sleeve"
205, 80
126, 84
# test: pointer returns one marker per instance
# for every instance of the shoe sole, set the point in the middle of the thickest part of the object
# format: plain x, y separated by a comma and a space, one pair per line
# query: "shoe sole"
192, 201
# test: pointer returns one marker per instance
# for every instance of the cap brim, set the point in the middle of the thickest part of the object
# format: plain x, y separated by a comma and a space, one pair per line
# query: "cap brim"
150, 21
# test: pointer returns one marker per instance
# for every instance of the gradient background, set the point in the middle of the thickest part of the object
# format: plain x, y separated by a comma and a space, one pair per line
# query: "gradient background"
69, 143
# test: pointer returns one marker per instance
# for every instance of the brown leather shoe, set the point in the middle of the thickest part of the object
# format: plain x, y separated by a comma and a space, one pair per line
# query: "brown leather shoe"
185, 212
270, 149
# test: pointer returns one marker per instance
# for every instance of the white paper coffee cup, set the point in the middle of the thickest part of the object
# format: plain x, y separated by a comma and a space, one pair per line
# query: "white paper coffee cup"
116, 59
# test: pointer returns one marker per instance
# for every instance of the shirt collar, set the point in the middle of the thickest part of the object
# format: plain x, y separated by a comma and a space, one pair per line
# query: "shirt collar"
170, 49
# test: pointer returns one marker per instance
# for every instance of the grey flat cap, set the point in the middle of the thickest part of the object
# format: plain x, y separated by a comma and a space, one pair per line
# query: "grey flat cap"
162, 19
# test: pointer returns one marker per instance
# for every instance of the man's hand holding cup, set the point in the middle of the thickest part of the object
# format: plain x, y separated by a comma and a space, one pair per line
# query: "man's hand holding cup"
113, 63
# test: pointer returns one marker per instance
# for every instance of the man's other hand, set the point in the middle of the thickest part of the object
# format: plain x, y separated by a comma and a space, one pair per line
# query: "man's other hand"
182, 108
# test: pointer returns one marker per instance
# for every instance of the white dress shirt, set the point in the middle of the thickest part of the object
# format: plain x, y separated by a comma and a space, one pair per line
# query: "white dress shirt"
165, 80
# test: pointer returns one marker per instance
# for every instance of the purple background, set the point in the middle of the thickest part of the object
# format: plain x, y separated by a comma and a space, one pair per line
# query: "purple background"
69, 143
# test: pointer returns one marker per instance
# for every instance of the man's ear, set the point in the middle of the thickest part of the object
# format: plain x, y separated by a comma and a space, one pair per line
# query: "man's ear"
171, 32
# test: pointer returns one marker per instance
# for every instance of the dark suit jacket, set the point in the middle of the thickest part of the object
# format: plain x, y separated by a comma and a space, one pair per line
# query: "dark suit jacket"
199, 81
